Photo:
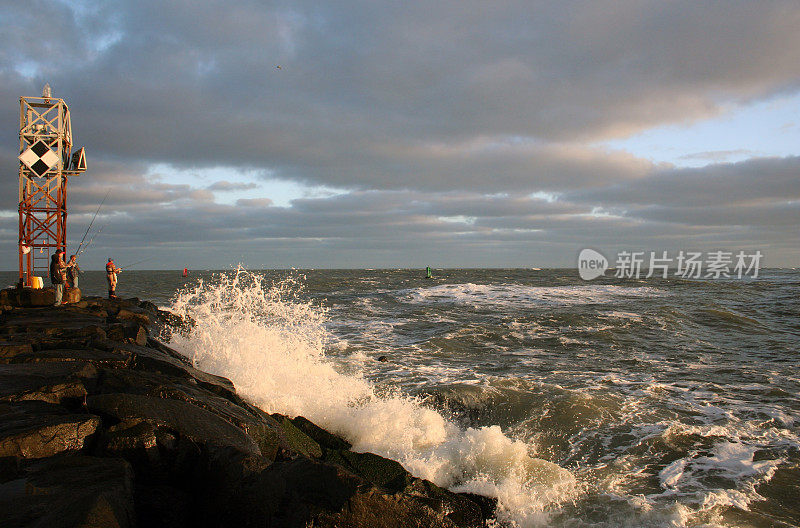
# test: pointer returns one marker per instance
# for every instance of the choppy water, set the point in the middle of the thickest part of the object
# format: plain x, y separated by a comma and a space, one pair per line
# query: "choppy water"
607, 403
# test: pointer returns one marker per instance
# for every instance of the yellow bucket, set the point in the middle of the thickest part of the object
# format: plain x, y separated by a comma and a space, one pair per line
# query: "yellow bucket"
37, 283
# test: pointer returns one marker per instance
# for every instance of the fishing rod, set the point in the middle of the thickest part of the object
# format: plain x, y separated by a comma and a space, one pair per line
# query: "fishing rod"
91, 240
92, 222
137, 262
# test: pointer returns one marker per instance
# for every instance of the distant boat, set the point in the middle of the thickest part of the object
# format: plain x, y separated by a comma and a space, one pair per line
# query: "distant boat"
185, 272
536, 269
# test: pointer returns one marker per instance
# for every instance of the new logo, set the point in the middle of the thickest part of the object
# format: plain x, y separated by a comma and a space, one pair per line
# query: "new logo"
591, 264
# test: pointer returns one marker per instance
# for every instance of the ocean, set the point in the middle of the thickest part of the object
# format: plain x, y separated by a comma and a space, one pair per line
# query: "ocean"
615, 402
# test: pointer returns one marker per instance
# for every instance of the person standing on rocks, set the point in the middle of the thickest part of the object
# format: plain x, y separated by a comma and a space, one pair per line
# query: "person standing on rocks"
111, 277
72, 272
58, 275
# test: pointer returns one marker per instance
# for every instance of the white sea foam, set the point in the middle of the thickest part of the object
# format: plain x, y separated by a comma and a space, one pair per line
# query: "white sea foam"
516, 294
271, 345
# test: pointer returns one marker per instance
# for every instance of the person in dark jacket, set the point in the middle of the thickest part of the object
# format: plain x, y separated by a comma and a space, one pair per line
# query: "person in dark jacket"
58, 275
72, 272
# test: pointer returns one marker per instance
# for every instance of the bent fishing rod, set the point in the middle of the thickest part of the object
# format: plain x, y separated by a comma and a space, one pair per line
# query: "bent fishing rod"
92, 222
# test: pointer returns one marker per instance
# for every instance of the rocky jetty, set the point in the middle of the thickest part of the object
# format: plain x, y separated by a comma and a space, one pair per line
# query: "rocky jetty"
101, 424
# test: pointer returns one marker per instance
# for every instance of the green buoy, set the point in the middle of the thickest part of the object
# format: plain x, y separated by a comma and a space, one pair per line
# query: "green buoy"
429, 274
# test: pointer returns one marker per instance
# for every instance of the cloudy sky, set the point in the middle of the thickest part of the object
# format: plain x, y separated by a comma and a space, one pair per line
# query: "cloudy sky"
396, 134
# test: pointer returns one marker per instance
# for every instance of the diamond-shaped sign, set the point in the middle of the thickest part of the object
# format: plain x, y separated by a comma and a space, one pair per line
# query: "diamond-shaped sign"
39, 158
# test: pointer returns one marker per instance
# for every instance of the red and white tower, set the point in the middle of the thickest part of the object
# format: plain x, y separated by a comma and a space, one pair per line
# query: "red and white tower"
46, 162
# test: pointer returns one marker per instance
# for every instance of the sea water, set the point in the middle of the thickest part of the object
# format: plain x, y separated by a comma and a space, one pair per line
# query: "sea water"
606, 403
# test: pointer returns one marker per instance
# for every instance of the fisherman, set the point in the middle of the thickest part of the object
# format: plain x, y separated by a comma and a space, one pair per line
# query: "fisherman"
72, 272
58, 275
111, 277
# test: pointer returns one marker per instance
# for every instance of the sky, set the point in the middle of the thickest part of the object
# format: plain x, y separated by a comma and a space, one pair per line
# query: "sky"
371, 134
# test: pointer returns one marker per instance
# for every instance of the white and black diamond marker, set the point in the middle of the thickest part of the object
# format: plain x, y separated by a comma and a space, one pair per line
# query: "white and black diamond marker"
39, 158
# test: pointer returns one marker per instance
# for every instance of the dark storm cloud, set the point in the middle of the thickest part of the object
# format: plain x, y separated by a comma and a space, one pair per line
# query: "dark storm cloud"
756, 180
441, 123
365, 86
388, 225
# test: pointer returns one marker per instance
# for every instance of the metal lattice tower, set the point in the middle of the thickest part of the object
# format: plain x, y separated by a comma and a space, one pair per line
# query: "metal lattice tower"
46, 163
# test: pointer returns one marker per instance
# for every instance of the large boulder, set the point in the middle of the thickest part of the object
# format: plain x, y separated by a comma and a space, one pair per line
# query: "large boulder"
48, 382
172, 445
70, 492
304, 492
29, 297
188, 421
34, 429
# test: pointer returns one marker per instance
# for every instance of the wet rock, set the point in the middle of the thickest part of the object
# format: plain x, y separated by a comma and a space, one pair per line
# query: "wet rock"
291, 493
487, 505
48, 382
74, 491
27, 297
127, 331
156, 361
189, 421
137, 317
160, 504
299, 441
320, 435
62, 323
99, 358
262, 428
303, 492
391, 477
382, 472
90, 379
33, 429
378, 509
11, 350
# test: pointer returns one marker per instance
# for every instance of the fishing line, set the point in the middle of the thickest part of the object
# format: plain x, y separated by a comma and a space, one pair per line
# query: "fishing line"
92, 222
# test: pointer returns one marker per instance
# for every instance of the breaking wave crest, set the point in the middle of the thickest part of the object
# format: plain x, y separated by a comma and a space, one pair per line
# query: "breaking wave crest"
271, 344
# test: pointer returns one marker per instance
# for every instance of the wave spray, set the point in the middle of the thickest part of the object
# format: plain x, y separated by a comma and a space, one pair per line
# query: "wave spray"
271, 344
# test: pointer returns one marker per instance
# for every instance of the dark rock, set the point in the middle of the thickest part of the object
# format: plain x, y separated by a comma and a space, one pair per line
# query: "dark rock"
383, 359
99, 358
32, 429
127, 331
487, 505
377, 509
262, 428
303, 492
189, 421
291, 493
159, 504
156, 361
74, 491
11, 350
28, 297
320, 435
299, 441
174, 354
380, 471
9, 468
200, 453
137, 317
24, 326
456, 507
48, 382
